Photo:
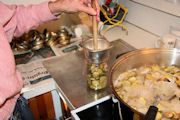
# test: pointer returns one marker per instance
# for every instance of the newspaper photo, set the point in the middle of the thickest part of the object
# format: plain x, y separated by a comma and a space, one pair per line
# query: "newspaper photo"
33, 72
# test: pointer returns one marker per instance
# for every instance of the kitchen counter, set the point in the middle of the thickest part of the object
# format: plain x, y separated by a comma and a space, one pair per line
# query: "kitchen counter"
69, 74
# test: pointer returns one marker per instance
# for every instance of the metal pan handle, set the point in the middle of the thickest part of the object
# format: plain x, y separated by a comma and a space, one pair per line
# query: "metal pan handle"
151, 113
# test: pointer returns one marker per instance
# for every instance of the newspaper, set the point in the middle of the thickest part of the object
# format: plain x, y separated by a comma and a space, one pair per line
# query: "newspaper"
74, 46
33, 72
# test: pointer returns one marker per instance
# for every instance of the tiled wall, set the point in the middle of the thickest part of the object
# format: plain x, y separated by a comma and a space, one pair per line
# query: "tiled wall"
147, 18
150, 19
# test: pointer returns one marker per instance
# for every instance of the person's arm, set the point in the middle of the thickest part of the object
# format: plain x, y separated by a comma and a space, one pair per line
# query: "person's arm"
31, 16
15, 20
72, 6
35, 15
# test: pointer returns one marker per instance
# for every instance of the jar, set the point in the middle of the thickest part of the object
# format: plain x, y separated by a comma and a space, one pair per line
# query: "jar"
97, 74
63, 37
166, 41
97, 63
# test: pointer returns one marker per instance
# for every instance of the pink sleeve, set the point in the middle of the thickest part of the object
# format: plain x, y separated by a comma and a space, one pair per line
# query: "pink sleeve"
32, 16
15, 20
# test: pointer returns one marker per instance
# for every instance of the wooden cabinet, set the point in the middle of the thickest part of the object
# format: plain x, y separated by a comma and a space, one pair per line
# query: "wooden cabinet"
42, 107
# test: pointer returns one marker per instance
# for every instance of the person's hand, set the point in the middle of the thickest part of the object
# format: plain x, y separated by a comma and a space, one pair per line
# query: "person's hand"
73, 6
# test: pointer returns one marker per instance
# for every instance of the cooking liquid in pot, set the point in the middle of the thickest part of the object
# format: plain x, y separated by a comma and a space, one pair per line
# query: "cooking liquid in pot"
139, 88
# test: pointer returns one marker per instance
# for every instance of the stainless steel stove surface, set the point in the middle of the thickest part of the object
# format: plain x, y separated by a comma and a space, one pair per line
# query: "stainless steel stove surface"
68, 72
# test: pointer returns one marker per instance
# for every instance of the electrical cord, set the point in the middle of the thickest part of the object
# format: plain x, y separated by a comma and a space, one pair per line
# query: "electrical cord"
119, 107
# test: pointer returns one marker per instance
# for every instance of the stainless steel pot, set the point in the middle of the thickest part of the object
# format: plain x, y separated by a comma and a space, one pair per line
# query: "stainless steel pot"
141, 57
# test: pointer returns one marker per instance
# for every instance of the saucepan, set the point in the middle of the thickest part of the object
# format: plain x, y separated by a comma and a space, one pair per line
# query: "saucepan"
137, 58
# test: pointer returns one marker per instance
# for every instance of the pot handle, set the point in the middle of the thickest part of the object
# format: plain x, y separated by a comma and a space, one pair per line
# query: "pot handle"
151, 113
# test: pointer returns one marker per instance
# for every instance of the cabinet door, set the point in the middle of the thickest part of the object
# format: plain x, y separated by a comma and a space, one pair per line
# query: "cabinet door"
42, 107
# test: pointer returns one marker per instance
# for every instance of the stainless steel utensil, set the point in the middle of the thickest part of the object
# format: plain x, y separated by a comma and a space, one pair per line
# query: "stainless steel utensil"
99, 54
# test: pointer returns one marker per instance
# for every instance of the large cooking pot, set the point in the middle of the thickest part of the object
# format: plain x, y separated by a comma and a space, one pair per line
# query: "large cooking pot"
139, 58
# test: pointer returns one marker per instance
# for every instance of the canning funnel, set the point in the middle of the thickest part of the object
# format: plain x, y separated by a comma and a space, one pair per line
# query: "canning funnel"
102, 51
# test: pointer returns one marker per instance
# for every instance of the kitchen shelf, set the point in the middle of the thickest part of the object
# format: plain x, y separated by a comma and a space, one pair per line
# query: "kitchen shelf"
162, 5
